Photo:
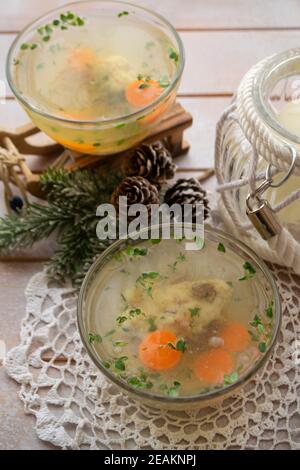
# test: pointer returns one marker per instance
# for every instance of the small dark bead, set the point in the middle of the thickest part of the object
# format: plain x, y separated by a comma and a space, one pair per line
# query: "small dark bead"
16, 204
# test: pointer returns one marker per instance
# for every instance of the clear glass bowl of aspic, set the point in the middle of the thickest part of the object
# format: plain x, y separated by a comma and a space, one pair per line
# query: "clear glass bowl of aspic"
96, 76
176, 328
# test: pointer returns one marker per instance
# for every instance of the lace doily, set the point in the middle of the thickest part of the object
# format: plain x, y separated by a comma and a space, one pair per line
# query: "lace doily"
76, 407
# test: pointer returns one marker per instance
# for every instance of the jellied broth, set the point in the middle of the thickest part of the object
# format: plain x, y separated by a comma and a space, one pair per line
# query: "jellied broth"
176, 322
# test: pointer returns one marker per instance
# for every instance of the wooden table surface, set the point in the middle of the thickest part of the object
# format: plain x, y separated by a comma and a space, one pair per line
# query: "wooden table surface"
222, 40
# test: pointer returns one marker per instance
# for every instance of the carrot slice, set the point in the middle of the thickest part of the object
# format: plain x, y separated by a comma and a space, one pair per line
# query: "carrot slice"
81, 58
140, 93
235, 336
155, 352
212, 365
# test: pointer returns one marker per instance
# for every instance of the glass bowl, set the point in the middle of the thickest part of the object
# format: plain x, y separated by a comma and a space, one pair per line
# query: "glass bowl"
101, 136
99, 292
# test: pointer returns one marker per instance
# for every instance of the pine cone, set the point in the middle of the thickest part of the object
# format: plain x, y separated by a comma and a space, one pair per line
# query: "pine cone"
152, 161
138, 190
188, 191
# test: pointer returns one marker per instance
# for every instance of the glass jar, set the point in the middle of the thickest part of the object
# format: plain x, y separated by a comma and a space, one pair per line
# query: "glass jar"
262, 127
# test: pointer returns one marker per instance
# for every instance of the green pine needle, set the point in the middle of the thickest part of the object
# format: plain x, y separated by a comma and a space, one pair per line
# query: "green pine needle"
70, 212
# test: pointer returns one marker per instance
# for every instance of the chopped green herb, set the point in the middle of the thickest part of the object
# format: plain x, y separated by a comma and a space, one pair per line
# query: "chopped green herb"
262, 332
140, 382
135, 251
221, 248
164, 82
173, 390
79, 21
254, 337
195, 311
120, 142
46, 38
106, 364
181, 345
16, 62
173, 54
140, 118
134, 312
256, 321
249, 271
48, 29
63, 27
181, 257
24, 46
120, 363
123, 13
94, 338
55, 22
119, 126
262, 347
33, 46
120, 344
146, 279
269, 309
143, 85
121, 319
230, 379
96, 144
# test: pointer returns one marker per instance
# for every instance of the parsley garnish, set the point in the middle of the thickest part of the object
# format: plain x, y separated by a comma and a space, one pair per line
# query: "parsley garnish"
221, 248
249, 271
146, 280
65, 20
164, 82
181, 257
119, 363
134, 252
143, 85
195, 311
155, 241
173, 54
120, 344
230, 379
94, 338
140, 382
180, 345
134, 312
172, 391
262, 347
269, 309
123, 13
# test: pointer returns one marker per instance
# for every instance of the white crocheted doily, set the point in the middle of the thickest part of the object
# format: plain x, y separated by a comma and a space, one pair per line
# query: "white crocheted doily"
76, 407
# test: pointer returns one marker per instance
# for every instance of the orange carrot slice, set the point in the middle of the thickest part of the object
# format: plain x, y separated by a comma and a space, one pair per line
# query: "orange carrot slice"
81, 58
156, 354
140, 93
235, 336
211, 366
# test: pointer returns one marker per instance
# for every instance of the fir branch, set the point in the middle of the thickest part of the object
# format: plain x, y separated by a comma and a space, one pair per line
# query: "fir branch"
72, 199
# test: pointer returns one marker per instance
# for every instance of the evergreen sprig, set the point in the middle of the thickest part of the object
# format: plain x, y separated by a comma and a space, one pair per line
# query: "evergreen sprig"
70, 211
